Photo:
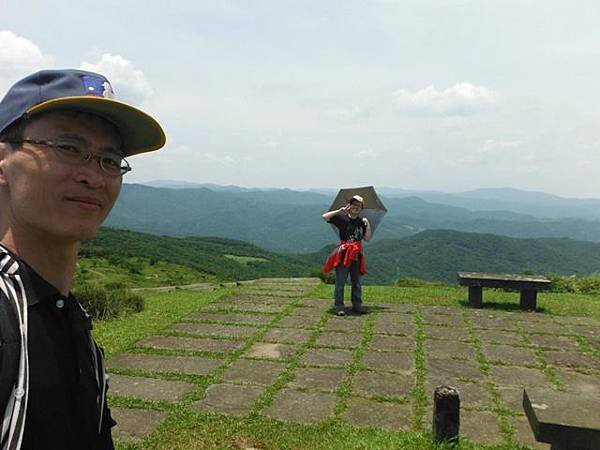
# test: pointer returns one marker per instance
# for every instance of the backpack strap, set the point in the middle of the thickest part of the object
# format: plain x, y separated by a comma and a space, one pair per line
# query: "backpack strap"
13, 290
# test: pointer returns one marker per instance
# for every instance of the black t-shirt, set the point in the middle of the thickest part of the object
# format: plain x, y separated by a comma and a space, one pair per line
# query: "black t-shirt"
62, 410
351, 230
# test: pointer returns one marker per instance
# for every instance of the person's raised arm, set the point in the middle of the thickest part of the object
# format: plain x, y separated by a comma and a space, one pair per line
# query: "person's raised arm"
329, 214
368, 231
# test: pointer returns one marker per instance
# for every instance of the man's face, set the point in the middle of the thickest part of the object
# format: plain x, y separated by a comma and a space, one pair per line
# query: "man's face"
53, 199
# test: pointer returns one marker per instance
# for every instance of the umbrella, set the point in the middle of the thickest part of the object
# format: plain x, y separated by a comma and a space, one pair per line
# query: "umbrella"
373, 208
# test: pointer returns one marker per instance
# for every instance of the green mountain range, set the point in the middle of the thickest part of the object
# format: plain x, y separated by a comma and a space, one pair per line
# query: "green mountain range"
290, 221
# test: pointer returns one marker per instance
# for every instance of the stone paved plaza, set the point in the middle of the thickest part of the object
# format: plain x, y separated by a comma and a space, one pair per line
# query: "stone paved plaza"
267, 350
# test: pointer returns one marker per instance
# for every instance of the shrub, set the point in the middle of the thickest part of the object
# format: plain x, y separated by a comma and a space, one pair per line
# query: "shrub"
108, 301
327, 278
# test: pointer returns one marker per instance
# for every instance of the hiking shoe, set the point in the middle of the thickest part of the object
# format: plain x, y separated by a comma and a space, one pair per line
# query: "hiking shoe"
340, 312
359, 310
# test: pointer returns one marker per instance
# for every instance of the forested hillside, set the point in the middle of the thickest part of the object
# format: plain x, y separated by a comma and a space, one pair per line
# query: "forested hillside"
432, 255
284, 220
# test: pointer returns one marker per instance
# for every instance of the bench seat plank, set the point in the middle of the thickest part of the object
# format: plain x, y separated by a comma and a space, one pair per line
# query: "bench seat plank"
565, 420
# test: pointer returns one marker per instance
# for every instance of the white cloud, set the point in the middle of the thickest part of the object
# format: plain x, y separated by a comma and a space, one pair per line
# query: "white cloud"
367, 154
491, 146
460, 99
19, 57
130, 84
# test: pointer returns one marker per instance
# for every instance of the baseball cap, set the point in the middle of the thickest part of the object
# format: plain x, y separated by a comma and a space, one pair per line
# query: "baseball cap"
79, 90
358, 198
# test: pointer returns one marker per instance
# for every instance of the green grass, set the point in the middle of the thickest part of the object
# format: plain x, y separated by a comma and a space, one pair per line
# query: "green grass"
185, 428
245, 260
137, 272
551, 303
161, 310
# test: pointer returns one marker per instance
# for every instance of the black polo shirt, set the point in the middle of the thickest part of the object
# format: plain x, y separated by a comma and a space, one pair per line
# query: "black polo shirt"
62, 409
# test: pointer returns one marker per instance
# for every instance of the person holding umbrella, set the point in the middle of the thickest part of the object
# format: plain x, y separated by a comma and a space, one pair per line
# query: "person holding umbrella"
347, 257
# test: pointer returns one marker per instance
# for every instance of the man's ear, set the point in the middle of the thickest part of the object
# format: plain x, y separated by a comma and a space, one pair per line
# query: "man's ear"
4, 150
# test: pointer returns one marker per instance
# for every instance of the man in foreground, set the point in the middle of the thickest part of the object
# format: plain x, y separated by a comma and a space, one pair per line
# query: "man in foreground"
63, 143
348, 256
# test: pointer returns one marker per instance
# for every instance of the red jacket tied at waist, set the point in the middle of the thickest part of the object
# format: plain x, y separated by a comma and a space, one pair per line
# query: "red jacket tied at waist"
345, 253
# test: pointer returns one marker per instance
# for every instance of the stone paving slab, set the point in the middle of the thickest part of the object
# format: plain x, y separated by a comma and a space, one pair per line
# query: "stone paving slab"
326, 357
546, 326
518, 376
441, 309
258, 300
254, 319
347, 323
500, 337
264, 350
308, 313
148, 388
451, 333
187, 343
472, 395
401, 362
397, 308
289, 295
383, 384
494, 322
509, 355
260, 306
454, 349
394, 319
215, 330
512, 397
571, 359
315, 303
454, 320
299, 321
578, 320
322, 378
196, 365
135, 424
302, 407
340, 339
395, 327
253, 372
444, 367
586, 331
552, 341
524, 434
471, 422
362, 412
229, 399
287, 335
398, 343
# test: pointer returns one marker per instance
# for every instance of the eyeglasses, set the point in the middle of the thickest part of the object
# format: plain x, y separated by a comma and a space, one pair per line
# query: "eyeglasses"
72, 153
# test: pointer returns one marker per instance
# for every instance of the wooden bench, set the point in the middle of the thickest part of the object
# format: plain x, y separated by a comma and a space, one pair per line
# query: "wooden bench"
528, 285
567, 421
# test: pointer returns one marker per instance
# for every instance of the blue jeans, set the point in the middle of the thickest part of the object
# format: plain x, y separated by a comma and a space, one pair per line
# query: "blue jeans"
341, 275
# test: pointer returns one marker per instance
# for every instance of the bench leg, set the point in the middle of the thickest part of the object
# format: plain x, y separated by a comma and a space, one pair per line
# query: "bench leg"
475, 296
528, 299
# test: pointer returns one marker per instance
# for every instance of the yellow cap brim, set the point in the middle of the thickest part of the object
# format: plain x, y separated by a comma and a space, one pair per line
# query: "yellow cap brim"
139, 131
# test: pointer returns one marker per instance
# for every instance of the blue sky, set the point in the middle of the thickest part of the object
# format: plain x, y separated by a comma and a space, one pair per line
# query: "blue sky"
446, 95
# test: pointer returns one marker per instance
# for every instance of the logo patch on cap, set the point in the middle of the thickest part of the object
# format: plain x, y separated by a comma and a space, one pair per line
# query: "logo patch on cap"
97, 86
